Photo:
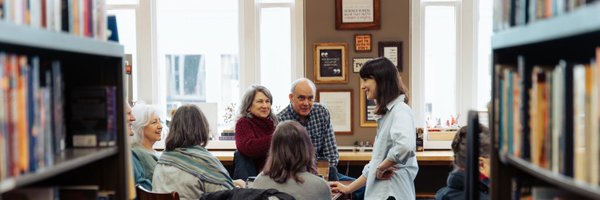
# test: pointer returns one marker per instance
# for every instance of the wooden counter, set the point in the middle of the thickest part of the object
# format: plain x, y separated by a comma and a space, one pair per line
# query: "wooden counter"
360, 158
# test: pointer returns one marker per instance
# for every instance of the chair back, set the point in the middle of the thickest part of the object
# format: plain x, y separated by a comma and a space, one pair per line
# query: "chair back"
144, 194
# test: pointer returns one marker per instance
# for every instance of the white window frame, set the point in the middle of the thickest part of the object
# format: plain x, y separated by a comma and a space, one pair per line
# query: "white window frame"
466, 74
250, 39
148, 82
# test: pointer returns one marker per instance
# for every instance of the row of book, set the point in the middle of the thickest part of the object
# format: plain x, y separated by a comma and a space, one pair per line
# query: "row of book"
510, 13
79, 17
541, 139
80, 192
32, 126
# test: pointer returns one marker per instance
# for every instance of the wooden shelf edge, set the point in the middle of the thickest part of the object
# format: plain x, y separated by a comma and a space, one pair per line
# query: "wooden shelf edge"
27, 36
64, 161
559, 180
555, 28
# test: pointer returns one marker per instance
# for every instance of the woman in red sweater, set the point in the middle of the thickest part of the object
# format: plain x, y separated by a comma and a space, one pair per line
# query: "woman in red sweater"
255, 125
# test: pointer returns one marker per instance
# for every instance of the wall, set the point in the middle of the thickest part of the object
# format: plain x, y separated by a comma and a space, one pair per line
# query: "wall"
319, 18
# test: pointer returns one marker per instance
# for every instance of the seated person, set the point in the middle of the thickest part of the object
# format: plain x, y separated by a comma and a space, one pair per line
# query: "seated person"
291, 166
186, 166
456, 179
146, 130
255, 125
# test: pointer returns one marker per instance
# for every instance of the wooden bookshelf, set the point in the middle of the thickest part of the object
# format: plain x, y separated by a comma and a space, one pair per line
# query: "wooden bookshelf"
84, 62
67, 160
558, 180
26, 36
575, 23
564, 42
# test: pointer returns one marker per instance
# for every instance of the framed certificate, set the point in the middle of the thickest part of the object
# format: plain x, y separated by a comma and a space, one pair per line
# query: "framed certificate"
339, 104
392, 50
357, 14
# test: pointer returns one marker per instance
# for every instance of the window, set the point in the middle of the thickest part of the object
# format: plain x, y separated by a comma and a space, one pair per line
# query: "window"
440, 64
186, 78
451, 56
484, 55
209, 52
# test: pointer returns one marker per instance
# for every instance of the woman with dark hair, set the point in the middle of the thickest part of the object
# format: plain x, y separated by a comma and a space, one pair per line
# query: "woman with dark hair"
186, 166
393, 167
291, 166
456, 180
255, 125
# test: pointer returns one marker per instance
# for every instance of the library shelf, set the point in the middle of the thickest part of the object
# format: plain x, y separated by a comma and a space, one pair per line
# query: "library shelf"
64, 161
30, 37
558, 180
581, 21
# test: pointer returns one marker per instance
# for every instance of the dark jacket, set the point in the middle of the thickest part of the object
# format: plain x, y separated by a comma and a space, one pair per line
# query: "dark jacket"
456, 188
246, 194
243, 167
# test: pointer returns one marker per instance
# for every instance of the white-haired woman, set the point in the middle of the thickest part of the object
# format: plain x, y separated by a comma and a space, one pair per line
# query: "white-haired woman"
147, 130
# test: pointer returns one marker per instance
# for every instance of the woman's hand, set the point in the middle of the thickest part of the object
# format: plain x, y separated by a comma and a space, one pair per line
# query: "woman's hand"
385, 173
339, 187
239, 183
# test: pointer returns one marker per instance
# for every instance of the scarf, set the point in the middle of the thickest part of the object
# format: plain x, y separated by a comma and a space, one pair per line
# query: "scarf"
199, 162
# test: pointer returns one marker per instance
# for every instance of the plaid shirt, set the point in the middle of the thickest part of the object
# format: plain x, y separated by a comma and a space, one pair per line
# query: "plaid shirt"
319, 128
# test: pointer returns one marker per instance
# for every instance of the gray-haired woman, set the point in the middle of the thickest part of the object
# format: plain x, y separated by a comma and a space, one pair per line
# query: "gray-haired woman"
147, 130
255, 125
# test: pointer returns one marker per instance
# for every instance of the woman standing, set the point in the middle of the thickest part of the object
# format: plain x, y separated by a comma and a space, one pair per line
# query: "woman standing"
255, 125
393, 167
147, 130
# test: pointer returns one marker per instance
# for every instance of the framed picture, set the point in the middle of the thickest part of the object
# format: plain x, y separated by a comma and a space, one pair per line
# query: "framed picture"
367, 110
339, 104
357, 14
362, 42
357, 63
392, 50
331, 63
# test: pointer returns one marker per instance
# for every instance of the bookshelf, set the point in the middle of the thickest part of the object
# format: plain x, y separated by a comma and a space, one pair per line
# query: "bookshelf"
542, 117
84, 61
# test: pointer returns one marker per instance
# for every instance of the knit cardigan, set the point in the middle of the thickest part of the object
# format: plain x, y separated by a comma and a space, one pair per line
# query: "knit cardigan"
253, 138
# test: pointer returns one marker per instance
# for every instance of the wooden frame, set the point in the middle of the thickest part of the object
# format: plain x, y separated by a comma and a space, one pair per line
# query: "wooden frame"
357, 63
357, 14
392, 50
331, 62
367, 110
363, 42
339, 103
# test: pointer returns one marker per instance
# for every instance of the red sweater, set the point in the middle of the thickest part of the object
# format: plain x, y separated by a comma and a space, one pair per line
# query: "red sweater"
253, 138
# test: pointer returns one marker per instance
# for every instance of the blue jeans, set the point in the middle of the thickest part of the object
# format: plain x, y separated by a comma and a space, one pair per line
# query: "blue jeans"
358, 194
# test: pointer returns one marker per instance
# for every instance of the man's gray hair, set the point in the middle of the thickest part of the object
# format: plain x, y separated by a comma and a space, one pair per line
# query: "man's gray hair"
297, 81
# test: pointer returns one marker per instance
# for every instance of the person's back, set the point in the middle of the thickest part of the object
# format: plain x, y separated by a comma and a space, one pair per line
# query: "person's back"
455, 189
185, 166
291, 165
313, 188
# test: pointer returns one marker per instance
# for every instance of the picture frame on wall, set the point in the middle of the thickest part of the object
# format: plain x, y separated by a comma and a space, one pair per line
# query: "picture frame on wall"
357, 63
357, 14
368, 118
331, 62
392, 50
362, 42
339, 103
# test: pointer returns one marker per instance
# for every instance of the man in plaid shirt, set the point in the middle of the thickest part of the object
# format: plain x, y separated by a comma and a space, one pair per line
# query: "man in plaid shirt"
314, 117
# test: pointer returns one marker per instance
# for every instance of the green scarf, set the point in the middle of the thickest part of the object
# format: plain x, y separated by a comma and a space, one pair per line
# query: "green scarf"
199, 162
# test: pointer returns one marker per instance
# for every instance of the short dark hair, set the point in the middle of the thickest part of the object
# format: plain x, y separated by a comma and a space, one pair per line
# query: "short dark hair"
387, 78
291, 152
189, 127
459, 145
